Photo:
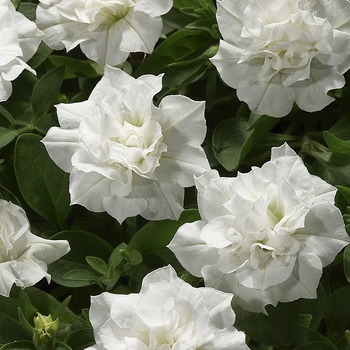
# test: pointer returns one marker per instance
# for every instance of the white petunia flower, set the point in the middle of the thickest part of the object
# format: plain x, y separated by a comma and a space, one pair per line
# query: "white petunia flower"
106, 30
126, 156
276, 53
265, 235
168, 313
19, 40
23, 256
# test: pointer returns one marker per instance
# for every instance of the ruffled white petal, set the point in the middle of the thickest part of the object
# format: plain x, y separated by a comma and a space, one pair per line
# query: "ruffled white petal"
24, 256
276, 53
167, 314
266, 235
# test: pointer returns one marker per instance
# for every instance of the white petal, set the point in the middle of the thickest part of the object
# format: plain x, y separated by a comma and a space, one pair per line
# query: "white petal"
29, 36
123, 207
324, 234
303, 282
258, 95
164, 197
140, 32
153, 8
61, 145
189, 248
89, 189
104, 45
311, 95
229, 16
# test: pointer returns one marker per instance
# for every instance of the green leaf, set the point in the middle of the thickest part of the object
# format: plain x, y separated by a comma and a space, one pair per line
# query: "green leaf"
10, 325
185, 74
338, 309
97, 264
177, 19
341, 129
43, 185
19, 345
82, 244
62, 308
6, 136
316, 345
81, 275
332, 167
72, 67
346, 258
7, 115
81, 339
135, 258
8, 196
46, 304
76, 258
16, 3
175, 48
336, 144
62, 346
232, 142
157, 234
25, 324
207, 24
46, 90
116, 257
40, 56
276, 329
60, 268
345, 192
347, 336
311, 307
27, 9
234, 138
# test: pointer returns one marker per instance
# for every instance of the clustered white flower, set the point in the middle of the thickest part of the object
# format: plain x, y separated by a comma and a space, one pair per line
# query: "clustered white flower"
279, 52
125, 155
19, 40
106, 30
265, 235
23, 256
168, 313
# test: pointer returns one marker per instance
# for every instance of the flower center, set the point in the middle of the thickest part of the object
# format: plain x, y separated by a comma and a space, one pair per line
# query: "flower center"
95, 12
287, 47
165, 336
138, 148
106, 11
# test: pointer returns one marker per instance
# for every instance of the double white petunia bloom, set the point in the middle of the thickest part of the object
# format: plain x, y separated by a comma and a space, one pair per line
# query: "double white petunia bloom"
106, 30
265, 235
125, 155
19, 40
276, 53
168, 313
23, 256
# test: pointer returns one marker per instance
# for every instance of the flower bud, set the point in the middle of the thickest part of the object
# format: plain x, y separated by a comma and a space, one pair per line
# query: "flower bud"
45, 332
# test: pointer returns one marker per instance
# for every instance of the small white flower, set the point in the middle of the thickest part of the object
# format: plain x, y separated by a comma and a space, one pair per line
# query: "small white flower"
126, 156
23, 256
265, 235
106, 30
19, 40
279, 52
168, 313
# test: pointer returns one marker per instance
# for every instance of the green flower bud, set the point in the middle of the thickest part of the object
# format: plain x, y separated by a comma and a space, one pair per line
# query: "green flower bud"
45, 332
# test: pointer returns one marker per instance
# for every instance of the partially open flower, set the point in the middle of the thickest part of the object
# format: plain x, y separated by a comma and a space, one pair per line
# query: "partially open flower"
126, 156
23, 256
106, 30
265, 235
168, 313
19, 40
277, 53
